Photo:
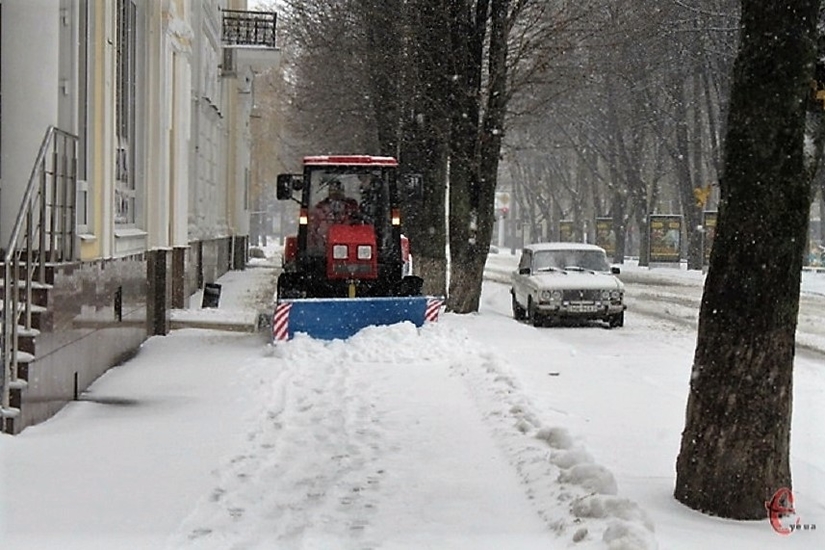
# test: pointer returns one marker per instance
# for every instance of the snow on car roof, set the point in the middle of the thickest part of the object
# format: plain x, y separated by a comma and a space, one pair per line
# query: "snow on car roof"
562, 246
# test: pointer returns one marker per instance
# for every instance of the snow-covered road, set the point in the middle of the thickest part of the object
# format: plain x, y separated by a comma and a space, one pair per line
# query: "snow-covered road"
675, 294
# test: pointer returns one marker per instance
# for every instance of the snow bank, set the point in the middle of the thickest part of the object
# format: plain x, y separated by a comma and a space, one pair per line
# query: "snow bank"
575, 496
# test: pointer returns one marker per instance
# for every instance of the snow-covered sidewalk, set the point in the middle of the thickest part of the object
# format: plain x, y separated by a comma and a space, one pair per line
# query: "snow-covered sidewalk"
397, 438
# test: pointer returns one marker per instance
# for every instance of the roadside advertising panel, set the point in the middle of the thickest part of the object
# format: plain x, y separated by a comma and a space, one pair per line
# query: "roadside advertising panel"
605, 236
566, 231
665, 238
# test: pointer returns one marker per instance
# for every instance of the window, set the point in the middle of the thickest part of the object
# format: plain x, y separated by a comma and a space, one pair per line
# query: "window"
83, 214
1, 57
125, 92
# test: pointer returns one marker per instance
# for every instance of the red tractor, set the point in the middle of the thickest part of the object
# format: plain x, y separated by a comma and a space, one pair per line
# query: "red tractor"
349, 251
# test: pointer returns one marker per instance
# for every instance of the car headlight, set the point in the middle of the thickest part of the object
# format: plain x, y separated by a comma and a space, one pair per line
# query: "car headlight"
364, 252
339, 252
616, 295
605, 295
550, 295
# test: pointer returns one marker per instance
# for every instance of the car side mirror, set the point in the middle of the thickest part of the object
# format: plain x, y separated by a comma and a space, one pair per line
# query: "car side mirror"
615, 270
524, 271
286, 184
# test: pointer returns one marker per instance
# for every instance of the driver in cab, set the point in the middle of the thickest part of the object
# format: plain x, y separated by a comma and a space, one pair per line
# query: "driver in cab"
336, 208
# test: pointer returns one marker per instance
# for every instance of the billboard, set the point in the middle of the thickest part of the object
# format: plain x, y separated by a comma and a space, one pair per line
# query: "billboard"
605, 237
566, 231
665, 238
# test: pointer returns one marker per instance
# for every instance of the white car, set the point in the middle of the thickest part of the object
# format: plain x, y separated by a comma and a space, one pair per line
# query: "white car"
572, 281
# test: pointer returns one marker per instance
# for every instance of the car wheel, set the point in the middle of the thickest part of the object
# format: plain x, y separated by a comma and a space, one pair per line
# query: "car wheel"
519, 314
616, 320
535, 317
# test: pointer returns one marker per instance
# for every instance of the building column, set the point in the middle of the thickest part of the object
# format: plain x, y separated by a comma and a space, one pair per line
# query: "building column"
240, 252
179, 277
158, 292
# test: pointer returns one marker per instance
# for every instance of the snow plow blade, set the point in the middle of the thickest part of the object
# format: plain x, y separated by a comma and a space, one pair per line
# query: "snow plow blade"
340, 318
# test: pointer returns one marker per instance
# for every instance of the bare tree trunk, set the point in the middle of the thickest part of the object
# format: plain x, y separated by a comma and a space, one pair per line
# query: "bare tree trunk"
685, 151
383, 56
735, 446
820, 182
467, 254
642, 221
619, 211
424, 145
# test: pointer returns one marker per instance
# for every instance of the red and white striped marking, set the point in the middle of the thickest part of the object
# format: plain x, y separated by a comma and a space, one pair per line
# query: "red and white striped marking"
433, 307
280, 321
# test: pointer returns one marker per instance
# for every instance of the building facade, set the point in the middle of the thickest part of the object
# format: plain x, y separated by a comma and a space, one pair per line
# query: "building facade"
124, 173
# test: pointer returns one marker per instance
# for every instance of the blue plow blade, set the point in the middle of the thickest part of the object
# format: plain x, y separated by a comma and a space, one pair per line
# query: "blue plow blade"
340, 318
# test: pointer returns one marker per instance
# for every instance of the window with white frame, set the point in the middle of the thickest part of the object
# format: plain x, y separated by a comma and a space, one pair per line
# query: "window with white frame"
83, 195
125, 98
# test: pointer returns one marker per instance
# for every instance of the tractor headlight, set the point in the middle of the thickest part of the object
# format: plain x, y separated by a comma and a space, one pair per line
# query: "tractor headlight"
339, 252
364, 252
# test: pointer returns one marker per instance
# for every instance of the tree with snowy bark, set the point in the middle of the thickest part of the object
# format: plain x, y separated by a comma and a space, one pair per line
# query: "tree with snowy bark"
735, 446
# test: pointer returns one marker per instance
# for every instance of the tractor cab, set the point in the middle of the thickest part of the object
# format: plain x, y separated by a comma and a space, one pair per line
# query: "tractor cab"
349, 239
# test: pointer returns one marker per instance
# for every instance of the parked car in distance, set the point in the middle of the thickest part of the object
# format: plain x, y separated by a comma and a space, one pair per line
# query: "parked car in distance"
566, 281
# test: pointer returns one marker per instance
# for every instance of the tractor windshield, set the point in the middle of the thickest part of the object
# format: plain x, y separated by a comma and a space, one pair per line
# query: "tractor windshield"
346, 195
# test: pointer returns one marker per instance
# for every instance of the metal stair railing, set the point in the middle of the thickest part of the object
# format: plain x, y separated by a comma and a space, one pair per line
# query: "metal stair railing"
44, 232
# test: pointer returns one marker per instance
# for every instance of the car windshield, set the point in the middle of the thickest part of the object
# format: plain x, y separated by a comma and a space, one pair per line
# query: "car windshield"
561, 259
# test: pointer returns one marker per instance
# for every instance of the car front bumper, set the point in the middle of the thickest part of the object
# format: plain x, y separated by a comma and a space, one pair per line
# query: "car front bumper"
580, 309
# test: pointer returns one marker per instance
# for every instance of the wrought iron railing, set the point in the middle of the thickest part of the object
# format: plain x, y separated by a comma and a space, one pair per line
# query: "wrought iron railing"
43, 233
249, 28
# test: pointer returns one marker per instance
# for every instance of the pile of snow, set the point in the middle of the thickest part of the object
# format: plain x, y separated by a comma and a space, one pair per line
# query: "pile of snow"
573, 494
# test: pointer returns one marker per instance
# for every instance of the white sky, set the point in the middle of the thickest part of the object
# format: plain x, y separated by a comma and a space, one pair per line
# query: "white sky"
476, 432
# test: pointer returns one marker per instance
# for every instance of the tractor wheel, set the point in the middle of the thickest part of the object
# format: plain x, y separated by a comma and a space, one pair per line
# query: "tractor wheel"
288, 287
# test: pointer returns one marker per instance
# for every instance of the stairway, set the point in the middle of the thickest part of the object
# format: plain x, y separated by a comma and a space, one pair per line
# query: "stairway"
33, 318
43, 236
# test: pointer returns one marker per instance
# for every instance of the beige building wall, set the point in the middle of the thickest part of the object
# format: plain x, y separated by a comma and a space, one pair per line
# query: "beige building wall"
168, 182
192, 161
97, 239
30, 96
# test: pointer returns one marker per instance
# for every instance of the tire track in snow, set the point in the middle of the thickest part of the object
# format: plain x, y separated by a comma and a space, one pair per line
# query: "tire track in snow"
319, 442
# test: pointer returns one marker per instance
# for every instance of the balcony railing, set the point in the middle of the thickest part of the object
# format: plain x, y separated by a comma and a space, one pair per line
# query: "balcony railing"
249, 28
